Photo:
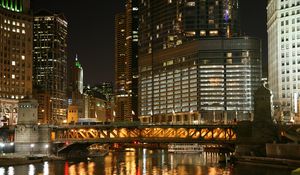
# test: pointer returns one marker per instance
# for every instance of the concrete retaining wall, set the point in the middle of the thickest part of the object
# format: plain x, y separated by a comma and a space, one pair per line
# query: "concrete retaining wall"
288, 151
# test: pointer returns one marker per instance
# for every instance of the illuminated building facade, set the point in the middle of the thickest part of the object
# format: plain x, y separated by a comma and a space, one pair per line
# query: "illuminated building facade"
210, 80
50, 61
15, 57
194, 66
126, 40
283, 23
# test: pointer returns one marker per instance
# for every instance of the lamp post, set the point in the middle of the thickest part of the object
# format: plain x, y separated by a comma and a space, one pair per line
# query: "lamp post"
2, 145
31, 148
46, 149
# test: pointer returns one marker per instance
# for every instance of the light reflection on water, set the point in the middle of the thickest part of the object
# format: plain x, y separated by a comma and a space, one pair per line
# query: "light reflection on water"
140, 162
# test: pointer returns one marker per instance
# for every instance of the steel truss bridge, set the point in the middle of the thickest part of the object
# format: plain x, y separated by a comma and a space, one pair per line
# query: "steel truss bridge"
216, 134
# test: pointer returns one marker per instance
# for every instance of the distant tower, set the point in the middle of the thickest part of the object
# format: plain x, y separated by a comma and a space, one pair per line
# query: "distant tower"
75, 109
15, 57
78, 76
50, 62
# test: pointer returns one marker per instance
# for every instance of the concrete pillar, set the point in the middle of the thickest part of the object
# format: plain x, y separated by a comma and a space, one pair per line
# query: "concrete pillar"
199, 118
214, 115
225, 117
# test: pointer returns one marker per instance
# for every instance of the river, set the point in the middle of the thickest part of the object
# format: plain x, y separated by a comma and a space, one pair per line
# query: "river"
142, 162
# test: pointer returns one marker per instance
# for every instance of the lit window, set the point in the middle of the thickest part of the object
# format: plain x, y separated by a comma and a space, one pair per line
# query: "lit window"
13, 63
190, 4
23, 57
213, 33
229, 54
13, 76
202, 33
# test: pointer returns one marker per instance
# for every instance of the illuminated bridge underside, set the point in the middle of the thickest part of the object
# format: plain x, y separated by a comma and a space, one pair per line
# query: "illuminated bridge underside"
211, 134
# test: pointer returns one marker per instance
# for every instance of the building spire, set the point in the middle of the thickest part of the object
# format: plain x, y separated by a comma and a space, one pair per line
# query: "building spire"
76, 57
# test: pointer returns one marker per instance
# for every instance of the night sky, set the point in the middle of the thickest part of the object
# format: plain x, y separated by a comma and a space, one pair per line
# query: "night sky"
91, 31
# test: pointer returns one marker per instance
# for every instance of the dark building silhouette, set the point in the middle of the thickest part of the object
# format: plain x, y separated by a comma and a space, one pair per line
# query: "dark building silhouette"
169, 23
126, 68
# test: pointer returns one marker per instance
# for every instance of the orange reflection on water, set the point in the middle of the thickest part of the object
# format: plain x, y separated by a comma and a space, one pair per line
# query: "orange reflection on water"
71, 170
212, 171
91, 168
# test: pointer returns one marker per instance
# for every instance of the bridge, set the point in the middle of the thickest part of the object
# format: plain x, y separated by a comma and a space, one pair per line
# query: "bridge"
145, 134
73, 136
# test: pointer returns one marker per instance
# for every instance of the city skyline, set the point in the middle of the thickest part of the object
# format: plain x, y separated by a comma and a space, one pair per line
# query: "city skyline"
97, 53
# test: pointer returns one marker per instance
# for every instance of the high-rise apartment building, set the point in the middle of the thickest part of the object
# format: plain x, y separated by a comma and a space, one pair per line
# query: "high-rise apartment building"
121, 90
15, 57
126, 48
194, 66
283, 22
50, 62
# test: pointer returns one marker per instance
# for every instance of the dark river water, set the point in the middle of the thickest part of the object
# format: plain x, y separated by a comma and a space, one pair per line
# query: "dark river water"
142, 162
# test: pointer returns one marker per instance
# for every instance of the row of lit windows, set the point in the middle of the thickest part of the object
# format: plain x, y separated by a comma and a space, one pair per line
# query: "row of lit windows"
11, 96
17, 30
14, 23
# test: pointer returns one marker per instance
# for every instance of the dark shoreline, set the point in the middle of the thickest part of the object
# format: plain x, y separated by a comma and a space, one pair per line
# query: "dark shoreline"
24, 160
269, 162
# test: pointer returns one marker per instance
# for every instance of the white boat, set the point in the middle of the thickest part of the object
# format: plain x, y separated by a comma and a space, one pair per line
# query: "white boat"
185, 148
98, 150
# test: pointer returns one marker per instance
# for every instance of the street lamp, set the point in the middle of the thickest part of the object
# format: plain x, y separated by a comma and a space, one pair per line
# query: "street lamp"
31, 147
46, 148
2, 145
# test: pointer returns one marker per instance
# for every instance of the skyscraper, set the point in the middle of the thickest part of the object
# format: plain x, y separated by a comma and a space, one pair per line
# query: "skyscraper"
126, 48
76, 87
121, 95
194, 65
50, 62
283, 23
15, 57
